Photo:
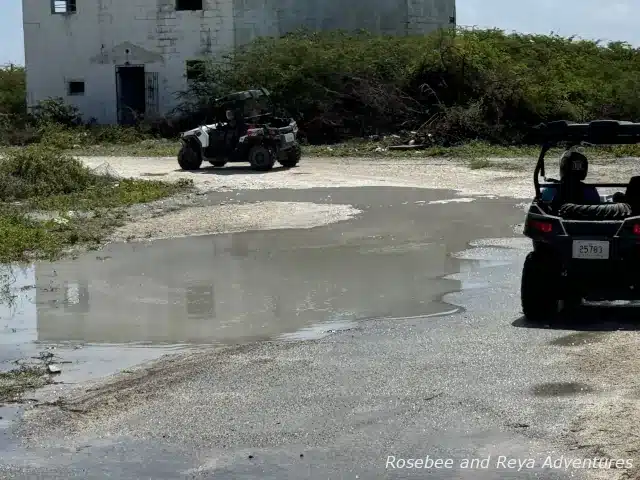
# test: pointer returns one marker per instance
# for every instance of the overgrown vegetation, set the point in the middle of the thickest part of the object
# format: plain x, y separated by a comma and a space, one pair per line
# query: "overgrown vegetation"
451, 87
457, 85
50, 201
14, 383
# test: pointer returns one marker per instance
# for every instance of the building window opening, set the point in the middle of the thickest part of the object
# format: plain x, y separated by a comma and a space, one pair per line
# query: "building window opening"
195, 70
63, 6
188, 5
76, 87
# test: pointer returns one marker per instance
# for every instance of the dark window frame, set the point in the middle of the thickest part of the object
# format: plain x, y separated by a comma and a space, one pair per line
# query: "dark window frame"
79, 90
189, 5
64, 7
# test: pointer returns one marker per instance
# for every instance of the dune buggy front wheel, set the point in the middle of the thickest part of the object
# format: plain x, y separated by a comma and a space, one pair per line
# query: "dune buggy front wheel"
539, 290
293, 157
189, 158
261, 158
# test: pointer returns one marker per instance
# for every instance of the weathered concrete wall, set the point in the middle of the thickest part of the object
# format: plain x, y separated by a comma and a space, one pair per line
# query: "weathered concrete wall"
424, 16
89, 44
254, 18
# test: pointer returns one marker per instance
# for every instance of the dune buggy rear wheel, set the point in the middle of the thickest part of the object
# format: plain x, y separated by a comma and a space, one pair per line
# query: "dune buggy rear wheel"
261, 158
540, 288
293, 157
189, 158
572, 302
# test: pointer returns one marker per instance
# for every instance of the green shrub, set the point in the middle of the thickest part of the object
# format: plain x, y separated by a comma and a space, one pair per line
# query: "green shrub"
457, 85
464, 84
13, 91
57, 136
114, 134
38, 171
19, 236
56, 111
13, 106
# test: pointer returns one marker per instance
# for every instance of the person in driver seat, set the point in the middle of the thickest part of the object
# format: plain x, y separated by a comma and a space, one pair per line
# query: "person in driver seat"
229, 129
236, 127
574, 167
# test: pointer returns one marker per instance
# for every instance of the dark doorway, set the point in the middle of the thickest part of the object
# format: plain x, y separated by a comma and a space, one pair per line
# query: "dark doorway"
130, 83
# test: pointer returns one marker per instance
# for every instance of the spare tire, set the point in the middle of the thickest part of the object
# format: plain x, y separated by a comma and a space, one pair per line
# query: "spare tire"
609, 211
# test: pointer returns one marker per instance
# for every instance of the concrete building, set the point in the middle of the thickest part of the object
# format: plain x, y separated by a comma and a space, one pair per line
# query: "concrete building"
113, 57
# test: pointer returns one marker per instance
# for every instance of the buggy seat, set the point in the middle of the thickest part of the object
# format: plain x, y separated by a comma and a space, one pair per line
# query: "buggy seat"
632, 195
575, 192
626, 205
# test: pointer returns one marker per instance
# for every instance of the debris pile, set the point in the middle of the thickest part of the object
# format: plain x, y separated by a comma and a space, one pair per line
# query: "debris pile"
413, 140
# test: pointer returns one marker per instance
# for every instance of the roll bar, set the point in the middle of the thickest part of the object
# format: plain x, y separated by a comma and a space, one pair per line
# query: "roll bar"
597, 132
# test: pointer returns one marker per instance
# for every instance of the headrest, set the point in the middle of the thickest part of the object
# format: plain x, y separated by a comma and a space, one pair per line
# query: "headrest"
573, 166
634, 183
632, 195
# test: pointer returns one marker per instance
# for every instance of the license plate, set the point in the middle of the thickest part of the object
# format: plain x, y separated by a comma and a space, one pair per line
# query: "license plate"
589, 249
289, 137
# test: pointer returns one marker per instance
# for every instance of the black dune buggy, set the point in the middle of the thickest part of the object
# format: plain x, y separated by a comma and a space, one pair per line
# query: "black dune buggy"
582, 250
246, 130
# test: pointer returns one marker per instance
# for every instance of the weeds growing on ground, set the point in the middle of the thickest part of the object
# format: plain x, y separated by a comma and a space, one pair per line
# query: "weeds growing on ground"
50, 201
14, 383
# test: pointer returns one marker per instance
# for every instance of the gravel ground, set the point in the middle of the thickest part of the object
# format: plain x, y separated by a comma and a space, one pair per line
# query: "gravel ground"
610, 422
609, 425
186, 215
507, 178
510, 177
203, 220
332, 172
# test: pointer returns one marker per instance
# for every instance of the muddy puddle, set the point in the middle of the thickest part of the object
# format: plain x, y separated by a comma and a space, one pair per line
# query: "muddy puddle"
234, 288
394, 261
18, 313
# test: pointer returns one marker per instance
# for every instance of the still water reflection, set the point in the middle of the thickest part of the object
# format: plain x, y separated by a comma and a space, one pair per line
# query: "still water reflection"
236, 287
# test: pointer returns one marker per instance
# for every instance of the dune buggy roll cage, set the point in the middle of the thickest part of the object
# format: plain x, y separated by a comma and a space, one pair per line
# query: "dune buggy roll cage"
570, 134
237, 102
244, 95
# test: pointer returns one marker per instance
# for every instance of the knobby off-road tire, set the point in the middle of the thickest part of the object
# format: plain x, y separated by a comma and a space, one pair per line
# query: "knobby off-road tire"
189, 158
261, 158
540, 288
609, 211
293, 157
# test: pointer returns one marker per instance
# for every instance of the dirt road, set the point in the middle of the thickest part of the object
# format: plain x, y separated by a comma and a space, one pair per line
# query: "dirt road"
415, 266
